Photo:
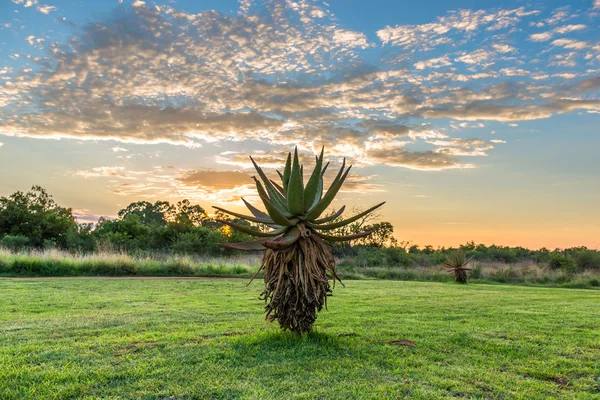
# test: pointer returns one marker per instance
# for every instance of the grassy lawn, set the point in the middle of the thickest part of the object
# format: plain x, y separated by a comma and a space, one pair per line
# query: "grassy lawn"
127, 338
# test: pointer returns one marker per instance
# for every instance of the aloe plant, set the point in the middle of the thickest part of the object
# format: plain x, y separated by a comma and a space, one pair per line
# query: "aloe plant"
297, 262
456, 264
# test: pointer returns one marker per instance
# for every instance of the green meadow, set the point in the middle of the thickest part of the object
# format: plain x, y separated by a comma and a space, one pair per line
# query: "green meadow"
185, 339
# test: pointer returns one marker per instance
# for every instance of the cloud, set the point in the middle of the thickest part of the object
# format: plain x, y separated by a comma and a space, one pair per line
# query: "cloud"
99, 172
281, 73
84, 216
540, 37
417, 160
464, 147
1, 144
570, 44
545, 36
596, 4
505, 113
503, 48
431, 35
479, 56
201, 186
117, 149
434, 63
217, 179
46, 9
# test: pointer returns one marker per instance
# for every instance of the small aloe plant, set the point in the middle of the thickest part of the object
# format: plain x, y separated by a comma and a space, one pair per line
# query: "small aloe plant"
297, 261
456, 263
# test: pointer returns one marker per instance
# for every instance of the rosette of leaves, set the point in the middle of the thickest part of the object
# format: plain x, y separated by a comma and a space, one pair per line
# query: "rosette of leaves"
296, 239
457, 264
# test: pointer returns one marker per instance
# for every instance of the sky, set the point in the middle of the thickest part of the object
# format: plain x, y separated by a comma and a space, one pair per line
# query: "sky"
474, 120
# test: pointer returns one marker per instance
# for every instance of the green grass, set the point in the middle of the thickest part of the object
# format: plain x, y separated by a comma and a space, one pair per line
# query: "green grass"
151, 339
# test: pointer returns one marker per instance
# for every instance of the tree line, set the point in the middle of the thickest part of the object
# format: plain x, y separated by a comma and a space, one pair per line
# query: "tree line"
33, 220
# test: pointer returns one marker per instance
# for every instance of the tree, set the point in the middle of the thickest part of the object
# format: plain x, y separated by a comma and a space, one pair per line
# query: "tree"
148, 213
297, 260
36, 216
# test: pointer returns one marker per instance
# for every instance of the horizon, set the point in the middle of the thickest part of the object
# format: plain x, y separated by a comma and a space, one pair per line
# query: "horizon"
475, 123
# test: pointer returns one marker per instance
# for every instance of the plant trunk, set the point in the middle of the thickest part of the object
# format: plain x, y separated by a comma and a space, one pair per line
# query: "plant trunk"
297, 282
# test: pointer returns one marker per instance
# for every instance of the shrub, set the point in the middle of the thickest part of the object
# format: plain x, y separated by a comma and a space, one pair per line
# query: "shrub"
476, 272
587, 259
16, 242
562, 262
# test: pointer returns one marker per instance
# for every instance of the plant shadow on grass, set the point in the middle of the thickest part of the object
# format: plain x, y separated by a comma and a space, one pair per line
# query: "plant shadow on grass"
282, 347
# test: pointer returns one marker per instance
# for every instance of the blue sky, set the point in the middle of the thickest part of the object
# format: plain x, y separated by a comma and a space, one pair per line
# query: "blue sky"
475, 120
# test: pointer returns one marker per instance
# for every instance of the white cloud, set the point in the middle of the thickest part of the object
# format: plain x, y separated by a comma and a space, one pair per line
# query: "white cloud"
433, 63
503, 48
569, 28
570, 44
540, 37
118, 149
99, 172
287, 75
46, 9
479, 57
430, 35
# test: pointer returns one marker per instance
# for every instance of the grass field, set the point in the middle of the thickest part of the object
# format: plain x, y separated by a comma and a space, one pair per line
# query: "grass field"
179, 339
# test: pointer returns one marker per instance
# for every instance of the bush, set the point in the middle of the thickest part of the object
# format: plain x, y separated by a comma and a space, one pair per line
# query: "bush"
476, 272
562, 262
199, 241
16, 242
587, 259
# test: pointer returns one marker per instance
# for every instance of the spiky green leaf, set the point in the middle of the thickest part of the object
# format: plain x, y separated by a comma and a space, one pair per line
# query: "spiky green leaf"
346, 221
287, 171
276, 197
328, 198
295, 190
255, 211
275, 214
312, 186
254, 232
252, 245
278, 187
331, 217
266, 221
289, 238
354, 236
263, 193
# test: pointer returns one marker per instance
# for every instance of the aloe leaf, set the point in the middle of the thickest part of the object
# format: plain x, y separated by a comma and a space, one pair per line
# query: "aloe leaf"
275, 214
252, 245
253, 232
255, 211
287, 171
274, 195
266, 221
290, 237
330, 238
263, 193
331, 217
295, 190
328, 198
312, 186
346, 221
278, 187
318, 194
324, 169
